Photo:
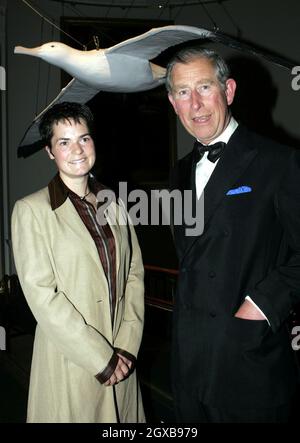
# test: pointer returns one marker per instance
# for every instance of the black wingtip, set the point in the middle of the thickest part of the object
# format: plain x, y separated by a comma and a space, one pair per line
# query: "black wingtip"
250, 48
28, 150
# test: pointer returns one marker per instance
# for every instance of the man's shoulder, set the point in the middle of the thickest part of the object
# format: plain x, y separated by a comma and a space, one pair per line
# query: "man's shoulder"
265, 144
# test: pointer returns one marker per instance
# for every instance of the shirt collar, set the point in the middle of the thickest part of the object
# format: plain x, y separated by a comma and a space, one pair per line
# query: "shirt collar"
59, 191
227, 133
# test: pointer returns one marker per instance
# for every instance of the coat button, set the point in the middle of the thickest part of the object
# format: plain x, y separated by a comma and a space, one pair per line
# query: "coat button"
212, 274
212, 314
226, 232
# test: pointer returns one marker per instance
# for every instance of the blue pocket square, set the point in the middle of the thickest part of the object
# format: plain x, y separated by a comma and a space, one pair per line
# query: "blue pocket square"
239, 190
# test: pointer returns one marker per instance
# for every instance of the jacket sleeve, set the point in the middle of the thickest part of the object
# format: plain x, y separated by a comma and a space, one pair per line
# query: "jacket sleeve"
56, 315
279, 292
129, 336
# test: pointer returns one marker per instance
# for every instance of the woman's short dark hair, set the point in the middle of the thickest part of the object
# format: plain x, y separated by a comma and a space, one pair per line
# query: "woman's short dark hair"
61, 112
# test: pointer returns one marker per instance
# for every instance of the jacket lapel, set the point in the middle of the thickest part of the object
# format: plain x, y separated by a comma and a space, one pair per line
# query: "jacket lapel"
181, 179
67, 216
238, 154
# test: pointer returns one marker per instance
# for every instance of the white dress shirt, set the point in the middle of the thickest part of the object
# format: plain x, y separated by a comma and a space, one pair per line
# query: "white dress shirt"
205, 167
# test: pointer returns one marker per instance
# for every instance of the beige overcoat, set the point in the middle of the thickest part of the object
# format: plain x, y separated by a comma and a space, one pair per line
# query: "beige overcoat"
65, 286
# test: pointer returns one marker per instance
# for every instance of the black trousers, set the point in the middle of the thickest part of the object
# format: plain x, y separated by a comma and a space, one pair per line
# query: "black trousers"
189, 409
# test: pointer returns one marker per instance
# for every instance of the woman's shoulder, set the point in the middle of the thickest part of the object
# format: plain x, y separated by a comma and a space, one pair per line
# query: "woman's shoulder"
39, 199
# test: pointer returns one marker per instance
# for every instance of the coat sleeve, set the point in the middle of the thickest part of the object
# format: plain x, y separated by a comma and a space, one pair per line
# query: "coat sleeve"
279, 292
130, 333
58, 318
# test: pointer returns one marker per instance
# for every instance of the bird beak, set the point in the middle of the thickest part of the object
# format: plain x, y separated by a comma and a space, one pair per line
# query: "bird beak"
26, 51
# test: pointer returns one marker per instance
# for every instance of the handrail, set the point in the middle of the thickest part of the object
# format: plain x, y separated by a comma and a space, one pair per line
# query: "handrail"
159, 286
162, 270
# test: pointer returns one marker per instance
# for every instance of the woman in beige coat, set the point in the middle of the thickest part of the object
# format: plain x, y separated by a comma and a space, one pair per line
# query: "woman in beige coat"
83, 281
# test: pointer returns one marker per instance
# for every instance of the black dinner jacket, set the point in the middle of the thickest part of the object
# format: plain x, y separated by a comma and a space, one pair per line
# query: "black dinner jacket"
250, 246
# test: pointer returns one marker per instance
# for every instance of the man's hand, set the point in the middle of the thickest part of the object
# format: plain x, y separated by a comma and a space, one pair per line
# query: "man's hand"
248, 311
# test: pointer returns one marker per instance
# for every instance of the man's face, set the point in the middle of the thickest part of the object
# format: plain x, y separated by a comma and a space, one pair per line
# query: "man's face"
199, 99
72, 149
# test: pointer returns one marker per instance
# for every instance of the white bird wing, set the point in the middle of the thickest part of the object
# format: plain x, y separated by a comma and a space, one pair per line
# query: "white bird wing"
146, 46
75, 91
153, 42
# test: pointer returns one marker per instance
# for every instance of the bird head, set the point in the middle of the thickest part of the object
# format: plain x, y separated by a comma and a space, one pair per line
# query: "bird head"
52, 52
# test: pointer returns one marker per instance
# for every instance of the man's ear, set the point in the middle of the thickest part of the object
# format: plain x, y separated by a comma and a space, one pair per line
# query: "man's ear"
50, 155
230, 90
172, 101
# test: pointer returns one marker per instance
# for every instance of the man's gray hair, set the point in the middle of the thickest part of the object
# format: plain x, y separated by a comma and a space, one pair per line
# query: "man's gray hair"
189, 54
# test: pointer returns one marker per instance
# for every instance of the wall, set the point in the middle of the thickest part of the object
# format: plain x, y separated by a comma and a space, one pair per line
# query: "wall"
31, 83
4, 221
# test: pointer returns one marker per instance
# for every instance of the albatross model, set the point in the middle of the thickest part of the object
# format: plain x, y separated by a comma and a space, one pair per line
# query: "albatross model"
124, 67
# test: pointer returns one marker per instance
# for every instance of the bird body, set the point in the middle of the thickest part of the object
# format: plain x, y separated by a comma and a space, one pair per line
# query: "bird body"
124, 67
100, 69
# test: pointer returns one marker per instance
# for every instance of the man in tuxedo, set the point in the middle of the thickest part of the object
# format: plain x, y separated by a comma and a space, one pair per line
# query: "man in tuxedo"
232, 357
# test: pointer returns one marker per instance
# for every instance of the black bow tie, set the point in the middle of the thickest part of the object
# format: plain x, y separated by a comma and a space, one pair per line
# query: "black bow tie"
214, 151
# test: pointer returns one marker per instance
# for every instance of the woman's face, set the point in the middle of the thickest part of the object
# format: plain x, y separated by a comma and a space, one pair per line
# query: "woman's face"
72, 149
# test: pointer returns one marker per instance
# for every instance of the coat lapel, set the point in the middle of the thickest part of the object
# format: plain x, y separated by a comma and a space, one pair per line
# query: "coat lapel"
67, 216
112, 217
237, 156
117, 222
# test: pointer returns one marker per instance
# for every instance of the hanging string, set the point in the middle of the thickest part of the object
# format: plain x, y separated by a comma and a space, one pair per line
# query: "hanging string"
137, 5
179, 10
91, 25
52, 23
109, 8
128, 8
238, 29
208, 15
98, 29
48, 73
39, 74
163, 7
96, 41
